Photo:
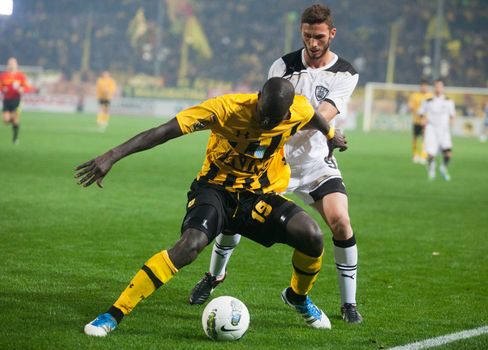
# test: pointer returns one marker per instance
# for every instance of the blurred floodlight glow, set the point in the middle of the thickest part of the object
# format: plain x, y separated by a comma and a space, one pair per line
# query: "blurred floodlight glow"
6, 7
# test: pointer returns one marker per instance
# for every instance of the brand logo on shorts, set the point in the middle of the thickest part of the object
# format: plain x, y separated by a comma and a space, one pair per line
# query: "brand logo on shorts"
321, 92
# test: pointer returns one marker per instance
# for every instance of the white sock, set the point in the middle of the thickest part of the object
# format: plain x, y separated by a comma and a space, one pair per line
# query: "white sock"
346, 259
222, 250
432, 167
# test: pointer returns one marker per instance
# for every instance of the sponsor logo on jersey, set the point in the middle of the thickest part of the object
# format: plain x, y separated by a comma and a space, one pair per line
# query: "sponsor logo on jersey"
321, 92
259, 152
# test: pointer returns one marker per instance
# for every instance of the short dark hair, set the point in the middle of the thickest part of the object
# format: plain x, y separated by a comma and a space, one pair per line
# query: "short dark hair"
277, 95
316, 14
439, 80
424, 82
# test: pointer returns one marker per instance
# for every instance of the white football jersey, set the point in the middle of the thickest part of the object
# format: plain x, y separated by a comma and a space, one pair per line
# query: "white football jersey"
333, 83
438, 111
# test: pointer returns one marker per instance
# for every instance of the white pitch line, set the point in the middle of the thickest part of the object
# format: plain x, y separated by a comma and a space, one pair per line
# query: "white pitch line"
444, 339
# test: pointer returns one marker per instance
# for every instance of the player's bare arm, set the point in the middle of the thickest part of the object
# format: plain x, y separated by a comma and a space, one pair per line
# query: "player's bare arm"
95, 170
335, 139
328, 110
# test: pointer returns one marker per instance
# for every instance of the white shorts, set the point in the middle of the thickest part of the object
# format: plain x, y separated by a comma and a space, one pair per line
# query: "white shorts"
313, 180
436, 140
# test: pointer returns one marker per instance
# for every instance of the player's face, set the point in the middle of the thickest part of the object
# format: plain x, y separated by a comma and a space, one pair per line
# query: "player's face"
424, 88
12, 64
316, 39
439, 87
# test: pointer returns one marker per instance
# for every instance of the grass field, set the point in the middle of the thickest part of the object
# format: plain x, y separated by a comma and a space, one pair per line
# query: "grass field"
67, 252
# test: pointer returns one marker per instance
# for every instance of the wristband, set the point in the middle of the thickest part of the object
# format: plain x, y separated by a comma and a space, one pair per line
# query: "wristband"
331, 133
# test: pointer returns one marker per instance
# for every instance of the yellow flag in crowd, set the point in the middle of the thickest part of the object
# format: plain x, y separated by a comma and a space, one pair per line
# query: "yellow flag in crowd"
137, 27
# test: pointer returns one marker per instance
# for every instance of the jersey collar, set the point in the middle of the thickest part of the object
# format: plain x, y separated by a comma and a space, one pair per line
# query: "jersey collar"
327, 66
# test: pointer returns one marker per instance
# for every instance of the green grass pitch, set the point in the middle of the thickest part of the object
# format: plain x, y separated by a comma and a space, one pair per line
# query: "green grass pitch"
67, 252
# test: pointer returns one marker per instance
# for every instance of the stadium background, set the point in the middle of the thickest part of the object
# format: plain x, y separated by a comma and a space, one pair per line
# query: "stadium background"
189, 50
68, 251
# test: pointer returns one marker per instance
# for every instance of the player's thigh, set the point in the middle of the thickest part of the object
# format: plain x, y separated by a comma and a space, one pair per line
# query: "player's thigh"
313, 181
6, 117
15, 116
446, 141
431, 143
207, 210
263, 218
417, 130
7, 111
271, 218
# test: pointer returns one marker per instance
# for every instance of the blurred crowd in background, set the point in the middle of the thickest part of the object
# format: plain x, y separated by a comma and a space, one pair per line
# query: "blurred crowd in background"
232, 43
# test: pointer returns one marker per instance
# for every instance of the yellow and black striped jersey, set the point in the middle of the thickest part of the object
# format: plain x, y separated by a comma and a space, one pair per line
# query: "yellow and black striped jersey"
106, 88
240, 155
414, 102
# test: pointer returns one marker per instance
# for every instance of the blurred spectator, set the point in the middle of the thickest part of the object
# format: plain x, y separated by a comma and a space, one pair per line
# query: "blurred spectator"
244, 36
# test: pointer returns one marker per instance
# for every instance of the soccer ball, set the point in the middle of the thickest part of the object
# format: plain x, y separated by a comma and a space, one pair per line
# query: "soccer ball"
225, 318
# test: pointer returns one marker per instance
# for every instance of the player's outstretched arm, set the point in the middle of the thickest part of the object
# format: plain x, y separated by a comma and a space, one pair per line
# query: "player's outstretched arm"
335, 138
95, 170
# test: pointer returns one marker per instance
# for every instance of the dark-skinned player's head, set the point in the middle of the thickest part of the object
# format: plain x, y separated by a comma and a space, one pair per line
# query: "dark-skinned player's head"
274, 102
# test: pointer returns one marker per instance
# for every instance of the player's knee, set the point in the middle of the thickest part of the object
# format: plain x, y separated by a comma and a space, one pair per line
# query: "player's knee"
314, 238
304, 234
340, 225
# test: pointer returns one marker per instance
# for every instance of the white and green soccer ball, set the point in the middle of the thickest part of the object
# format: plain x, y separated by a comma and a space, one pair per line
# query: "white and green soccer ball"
225, 318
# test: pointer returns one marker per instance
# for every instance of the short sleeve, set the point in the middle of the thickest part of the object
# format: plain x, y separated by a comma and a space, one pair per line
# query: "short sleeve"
200, 117
342, 90
302, 107
277, 69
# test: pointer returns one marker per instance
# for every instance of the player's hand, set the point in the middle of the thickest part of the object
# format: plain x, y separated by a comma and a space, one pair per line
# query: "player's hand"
338, 141
94, 170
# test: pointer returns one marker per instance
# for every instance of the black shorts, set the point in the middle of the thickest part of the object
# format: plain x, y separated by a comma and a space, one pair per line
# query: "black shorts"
328, 187
259, 217
11, 105
104, 102
418, 130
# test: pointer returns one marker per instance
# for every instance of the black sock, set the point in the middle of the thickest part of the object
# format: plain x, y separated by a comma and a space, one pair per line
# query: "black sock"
446, 160
15, 128
294, 297
116, 313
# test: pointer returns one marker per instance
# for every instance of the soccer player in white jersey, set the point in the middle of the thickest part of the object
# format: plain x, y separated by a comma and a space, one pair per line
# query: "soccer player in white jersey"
439, 112
328, 81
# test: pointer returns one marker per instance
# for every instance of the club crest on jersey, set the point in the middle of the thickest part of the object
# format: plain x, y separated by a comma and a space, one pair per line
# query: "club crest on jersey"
201, 124
259, 152
321, 92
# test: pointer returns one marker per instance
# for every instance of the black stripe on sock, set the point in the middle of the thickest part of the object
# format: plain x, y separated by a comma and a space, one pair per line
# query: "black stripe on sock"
301, 272
157, 282
116, 313
346, 268
345, 244
224, 247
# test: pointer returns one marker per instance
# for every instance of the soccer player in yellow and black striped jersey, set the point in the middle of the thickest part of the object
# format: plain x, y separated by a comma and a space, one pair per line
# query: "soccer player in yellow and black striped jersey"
414, 102
235, 191
106, 87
